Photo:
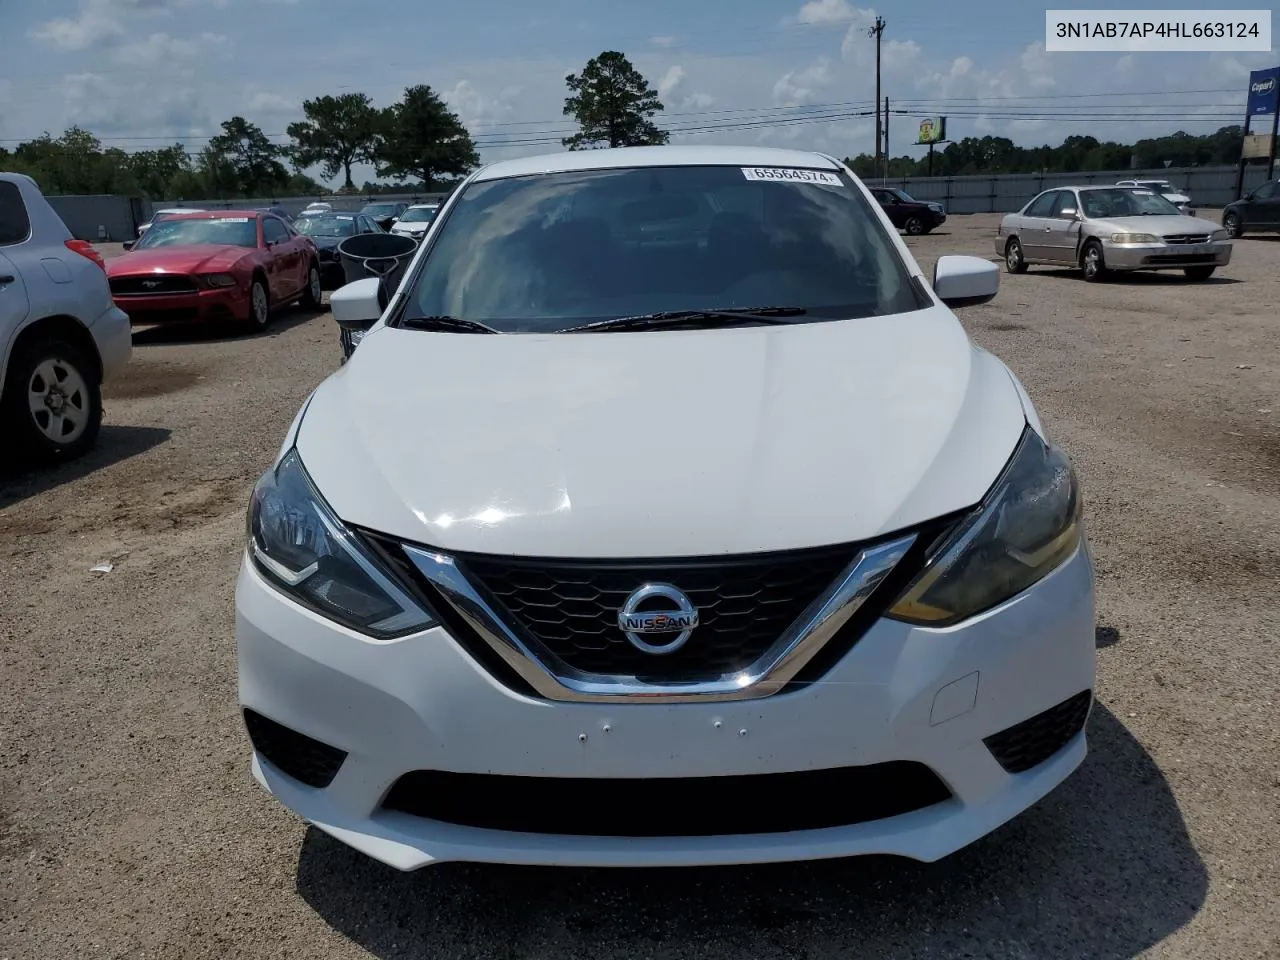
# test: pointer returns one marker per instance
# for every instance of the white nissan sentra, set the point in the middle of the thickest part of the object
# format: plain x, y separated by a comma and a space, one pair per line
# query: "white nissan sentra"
665, 514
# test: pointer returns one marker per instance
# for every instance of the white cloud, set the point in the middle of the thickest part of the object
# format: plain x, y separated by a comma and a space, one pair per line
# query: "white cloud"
801, 87
817, 12
477, 109
664, 42
670, 81
163, 49
96, 22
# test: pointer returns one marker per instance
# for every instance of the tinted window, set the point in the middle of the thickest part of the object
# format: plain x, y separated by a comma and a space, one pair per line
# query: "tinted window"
381, 210
1100, 204
547, 252
232, 231
326, 225
1266, 191
14, 224
273, 231
1042, 205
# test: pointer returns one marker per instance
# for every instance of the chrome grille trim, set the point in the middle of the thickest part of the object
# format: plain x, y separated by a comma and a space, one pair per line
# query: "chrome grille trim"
767, 675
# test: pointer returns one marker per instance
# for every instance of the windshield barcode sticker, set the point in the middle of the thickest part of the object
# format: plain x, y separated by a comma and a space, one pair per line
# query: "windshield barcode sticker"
232, 220
791, 175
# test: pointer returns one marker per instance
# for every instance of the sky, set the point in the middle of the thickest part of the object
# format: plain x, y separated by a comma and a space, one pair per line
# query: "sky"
141, 73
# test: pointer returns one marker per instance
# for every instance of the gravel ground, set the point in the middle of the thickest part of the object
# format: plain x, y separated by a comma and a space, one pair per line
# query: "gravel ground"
131, 826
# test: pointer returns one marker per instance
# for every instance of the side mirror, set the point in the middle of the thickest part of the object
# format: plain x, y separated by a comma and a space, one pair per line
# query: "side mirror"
357, 306
965, 281
1070, 213
128, 244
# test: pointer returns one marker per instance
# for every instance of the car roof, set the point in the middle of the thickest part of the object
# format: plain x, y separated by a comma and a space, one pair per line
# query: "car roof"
665, 156
218, 214
424, 206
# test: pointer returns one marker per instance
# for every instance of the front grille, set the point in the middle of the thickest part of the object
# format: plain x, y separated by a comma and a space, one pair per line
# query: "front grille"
159, 284
668, 807
1032, 742
297, 755
1187, 238
744, 605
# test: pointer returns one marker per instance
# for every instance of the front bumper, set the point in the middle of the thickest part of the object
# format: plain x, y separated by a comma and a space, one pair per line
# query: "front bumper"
901, 694
1166, 256
223, 303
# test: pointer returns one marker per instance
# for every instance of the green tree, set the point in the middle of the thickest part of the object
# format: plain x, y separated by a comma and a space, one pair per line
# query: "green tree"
242, 160
156, 170
423, 138
613, 104
338, 132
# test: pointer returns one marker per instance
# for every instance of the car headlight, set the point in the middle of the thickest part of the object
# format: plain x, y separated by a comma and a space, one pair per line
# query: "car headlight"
1220, 235
1134, 238
219, 280
303, 549
1026, 527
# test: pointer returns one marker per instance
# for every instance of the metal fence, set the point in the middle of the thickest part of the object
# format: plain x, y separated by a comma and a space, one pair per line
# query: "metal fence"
294, 205
100, 218
1208, 187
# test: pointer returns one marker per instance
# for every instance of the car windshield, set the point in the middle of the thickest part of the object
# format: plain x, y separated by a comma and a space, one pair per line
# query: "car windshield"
1164, 186
903, 196
325, 225
230, 231
548, 252
380, 210
1122, 202
418, 215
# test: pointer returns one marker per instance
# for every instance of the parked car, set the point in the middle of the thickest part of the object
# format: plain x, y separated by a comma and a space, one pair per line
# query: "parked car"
600, 553
1110, 229
165, 214
276, 211
1166, 190
318, 207
326, 231
236, 265
1256, 212
416, 220
60, 334
385, 213
906, 213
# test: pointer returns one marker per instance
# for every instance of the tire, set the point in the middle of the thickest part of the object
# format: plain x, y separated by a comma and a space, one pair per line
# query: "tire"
1014, 261
914, 226
1091, 262
259, 305
1198, 274
310, 299
52, 401
1233, 225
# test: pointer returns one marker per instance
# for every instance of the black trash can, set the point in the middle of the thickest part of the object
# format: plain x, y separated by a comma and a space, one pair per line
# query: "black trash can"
382, 255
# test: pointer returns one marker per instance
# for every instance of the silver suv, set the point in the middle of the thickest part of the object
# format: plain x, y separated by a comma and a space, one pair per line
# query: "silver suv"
60, 334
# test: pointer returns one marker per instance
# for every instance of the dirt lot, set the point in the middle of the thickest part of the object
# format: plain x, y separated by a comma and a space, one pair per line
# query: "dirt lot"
131, 826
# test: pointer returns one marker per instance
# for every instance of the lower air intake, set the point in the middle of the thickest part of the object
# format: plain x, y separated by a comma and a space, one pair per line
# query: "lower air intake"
1032, 742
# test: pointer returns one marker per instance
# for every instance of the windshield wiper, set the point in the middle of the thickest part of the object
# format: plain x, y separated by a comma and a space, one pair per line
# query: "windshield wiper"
672, 318
454, 324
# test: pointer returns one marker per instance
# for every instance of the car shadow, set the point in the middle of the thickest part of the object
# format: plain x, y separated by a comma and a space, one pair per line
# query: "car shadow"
115, 444
214, 331
1103, 867
1135, 278
1265, 238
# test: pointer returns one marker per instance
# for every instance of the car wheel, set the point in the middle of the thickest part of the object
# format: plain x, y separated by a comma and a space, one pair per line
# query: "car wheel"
52, 400
1014, 261
914, 226
1231, 223
1091, 262
259, 306
311, 296
1199, 274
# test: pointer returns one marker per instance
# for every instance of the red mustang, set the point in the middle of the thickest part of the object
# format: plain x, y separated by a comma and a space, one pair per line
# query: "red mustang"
222, 265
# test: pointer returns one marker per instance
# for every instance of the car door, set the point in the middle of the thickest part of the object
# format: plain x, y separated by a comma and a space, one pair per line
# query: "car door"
892, 206
282, 266
1033, 226
1265, 206
1062, 233
302, 251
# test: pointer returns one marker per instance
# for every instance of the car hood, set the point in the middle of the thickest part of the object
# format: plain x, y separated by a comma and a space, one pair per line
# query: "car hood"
661, 443
326, 243
1159, 225
196, 258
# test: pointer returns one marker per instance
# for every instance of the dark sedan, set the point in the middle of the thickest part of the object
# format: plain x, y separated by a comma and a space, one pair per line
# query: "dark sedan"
327, 230
907, 213
1255, 212
384, 212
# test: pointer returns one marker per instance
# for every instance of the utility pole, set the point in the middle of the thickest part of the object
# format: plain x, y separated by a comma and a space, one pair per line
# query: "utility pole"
886, 140
877, 31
